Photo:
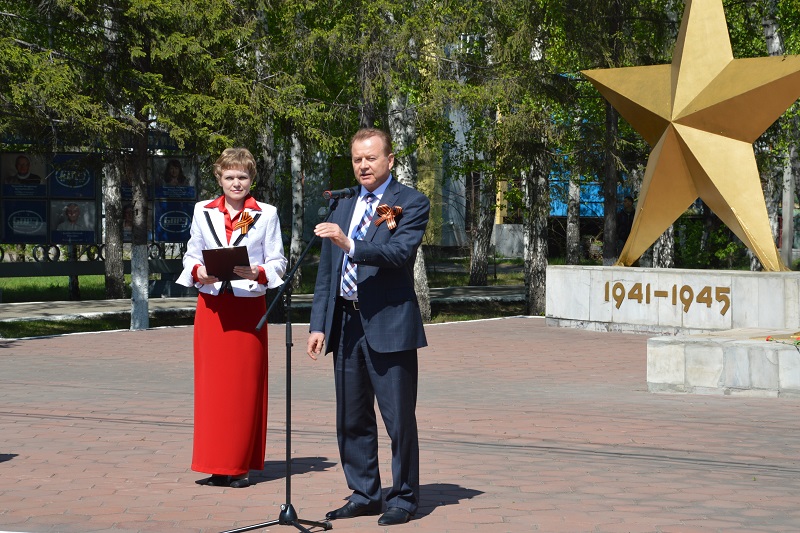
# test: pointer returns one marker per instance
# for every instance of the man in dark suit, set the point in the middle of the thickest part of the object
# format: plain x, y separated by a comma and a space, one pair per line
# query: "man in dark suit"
371, 321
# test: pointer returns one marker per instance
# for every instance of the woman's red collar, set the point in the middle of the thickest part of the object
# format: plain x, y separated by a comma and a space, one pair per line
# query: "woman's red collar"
219, 203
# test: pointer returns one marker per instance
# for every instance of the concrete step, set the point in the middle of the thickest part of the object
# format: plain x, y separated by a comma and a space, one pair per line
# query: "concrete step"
736, 362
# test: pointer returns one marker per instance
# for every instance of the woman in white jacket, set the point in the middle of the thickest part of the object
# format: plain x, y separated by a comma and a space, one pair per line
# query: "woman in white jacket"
230, 356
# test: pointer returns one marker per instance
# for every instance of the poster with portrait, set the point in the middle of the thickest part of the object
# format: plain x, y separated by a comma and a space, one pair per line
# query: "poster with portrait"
23, 175
72, 222
173, 221
71, 176
174, 177
25, 221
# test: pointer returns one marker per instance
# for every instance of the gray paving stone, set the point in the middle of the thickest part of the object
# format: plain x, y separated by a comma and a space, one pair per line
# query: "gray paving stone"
523, 428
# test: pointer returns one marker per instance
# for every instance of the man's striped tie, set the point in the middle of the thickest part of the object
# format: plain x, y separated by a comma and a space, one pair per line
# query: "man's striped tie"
350, 276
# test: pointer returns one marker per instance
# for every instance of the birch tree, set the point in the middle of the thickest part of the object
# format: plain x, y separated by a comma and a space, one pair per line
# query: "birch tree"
298, 212
402, 127
783, 165
573, 220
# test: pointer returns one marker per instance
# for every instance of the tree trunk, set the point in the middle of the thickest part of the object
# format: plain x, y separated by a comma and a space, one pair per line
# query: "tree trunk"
267, 190
787, 209
708, 220
662, 253
772, 36
610, 187
611, 148
482, 232
664, 249
536, 198
266, 187
574, 221
775, 47
140, 269
74, 288
112, 197
298, 210
367, 71
404, 135
116, 168
771, 184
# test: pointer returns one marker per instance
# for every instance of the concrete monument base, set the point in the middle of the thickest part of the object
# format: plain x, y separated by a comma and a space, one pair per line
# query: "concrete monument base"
717, 323
743, 362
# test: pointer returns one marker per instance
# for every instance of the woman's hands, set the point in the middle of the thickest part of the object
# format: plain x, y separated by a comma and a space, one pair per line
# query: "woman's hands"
203, 276
247, 272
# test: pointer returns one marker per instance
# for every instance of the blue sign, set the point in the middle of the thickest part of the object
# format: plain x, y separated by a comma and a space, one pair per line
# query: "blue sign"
591, 204
173, 221
25, 221
591, 201
70, 178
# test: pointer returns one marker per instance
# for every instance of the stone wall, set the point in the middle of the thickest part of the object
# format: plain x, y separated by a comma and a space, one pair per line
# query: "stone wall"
671, 301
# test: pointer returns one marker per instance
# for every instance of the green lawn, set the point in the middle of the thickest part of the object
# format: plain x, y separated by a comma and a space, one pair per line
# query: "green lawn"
51, 288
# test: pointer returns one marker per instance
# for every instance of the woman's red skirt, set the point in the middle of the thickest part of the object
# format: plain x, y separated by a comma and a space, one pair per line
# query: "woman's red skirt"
230, 385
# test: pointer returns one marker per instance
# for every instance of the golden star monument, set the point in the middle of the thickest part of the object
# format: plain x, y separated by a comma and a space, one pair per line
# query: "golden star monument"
701, 116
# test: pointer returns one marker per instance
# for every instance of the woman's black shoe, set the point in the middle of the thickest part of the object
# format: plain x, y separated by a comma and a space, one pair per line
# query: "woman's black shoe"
239, 483
214, 481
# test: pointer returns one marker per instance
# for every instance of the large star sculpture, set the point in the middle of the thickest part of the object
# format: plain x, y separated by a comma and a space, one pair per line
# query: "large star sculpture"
701, 116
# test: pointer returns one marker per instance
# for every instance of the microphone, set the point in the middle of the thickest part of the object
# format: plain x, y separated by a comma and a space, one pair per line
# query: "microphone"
341, 193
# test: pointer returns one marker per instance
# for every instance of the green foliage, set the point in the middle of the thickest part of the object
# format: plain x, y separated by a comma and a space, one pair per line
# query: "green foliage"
699, 244
95, 75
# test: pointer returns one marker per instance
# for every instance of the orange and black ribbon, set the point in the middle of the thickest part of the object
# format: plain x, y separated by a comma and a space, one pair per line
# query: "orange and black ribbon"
388, 214
245, 221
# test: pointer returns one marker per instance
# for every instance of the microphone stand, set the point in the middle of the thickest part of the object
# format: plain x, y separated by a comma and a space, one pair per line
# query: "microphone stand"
288, 516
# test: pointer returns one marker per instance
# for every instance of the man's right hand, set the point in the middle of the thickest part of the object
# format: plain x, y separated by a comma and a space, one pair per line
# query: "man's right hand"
329, 230
316, 342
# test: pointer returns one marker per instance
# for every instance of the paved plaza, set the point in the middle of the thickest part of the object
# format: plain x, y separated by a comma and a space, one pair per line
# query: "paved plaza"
523, 428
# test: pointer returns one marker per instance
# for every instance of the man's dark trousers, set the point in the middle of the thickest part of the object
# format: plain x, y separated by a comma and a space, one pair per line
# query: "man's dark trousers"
362, 376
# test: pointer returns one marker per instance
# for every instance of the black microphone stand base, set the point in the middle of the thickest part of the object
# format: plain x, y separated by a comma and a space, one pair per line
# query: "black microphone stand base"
288, 517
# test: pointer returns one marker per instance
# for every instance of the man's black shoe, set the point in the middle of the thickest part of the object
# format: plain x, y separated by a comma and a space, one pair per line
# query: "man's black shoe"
394, 516
351, 510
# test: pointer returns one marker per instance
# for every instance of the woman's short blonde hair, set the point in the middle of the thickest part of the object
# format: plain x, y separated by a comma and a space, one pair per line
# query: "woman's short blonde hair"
235, 158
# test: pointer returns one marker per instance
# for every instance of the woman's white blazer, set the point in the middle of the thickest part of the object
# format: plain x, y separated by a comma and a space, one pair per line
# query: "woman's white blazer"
263, 241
